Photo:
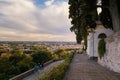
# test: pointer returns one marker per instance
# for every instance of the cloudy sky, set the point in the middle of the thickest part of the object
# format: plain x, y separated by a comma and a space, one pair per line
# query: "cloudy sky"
35, 20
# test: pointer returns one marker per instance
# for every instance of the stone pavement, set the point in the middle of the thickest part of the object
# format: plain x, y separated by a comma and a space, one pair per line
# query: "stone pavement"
36, 75
81, 68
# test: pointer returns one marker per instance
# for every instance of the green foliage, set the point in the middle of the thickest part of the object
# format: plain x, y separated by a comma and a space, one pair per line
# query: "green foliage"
4, 68
2, 51
22, 64
83, 14
15, 58
18, 61
14, 65
17, 51
29, 52
41, 56
106, 19
101, 48
60, 53
58, 73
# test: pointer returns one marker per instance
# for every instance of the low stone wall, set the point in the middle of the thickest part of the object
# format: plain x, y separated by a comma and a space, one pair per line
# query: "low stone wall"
111, 59
29, 72
22, 75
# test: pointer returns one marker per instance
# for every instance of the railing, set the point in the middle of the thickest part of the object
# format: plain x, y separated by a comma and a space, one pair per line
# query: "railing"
29, 72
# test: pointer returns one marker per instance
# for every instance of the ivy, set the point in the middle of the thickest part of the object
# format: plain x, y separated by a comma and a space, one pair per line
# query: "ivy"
101, 48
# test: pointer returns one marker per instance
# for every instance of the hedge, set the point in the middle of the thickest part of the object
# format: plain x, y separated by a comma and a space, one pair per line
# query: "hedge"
58, 73
101, 48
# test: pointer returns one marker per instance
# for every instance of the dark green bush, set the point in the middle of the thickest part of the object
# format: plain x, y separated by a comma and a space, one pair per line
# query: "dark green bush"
101, 48
14, 65
41, 56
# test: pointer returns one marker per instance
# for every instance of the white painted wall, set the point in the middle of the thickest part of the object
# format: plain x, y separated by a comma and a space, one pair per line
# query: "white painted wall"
92, 49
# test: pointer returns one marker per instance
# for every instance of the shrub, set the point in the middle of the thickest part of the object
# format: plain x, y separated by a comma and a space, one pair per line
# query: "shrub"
57, 73
41, 56
61, 53
101, 48
14, 65
102, 45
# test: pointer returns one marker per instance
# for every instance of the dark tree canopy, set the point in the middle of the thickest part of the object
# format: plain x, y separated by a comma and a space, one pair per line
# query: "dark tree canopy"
106, 19
84, 15
118, 3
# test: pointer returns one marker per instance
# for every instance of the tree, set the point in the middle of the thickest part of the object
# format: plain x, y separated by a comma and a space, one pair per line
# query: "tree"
15, 58
22, 64
84, 15
14, 65
41, 56
81, 12
17, 51
5, 66
60, 53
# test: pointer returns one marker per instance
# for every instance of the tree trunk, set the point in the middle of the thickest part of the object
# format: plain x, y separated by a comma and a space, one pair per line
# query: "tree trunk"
115, 15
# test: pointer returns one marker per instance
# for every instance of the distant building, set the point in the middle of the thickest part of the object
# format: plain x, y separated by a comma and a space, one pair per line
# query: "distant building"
65, 46
26, 49
6, 54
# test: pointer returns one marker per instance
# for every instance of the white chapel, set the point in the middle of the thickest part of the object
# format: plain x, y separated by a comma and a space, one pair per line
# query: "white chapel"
92, 48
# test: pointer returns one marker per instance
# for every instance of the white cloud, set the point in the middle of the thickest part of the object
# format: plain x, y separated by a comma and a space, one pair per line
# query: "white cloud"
49, 2
23, 20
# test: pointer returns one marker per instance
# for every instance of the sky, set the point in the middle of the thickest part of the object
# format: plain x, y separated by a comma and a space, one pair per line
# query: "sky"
35, 20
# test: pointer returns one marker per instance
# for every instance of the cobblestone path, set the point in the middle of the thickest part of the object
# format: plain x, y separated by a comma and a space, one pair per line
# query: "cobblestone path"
36, 75
81, 68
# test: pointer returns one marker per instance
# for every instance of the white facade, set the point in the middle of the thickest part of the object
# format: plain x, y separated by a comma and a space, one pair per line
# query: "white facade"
92, 49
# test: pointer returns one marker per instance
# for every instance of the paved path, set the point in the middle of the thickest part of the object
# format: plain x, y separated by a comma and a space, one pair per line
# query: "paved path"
36, 75
83, 69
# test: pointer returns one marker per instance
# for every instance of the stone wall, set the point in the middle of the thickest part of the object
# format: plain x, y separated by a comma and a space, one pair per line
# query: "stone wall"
111, 59
29, 72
